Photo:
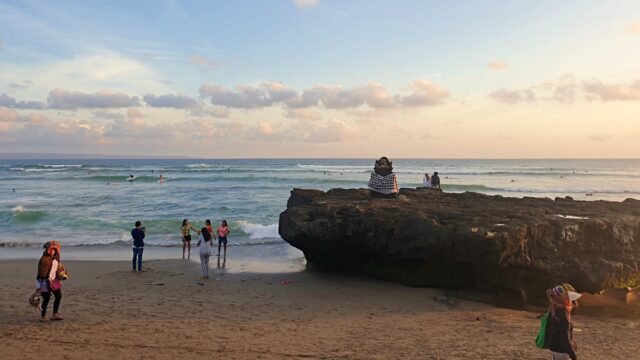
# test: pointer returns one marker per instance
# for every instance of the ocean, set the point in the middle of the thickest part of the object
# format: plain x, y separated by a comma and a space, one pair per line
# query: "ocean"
88, 203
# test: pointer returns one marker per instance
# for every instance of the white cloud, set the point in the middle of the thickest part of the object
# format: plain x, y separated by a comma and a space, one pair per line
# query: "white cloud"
246, 96
305, 3
373, 95
87, 72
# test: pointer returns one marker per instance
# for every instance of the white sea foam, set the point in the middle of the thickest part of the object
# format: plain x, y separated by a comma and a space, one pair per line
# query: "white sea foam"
57, 166
18, 209
258, 231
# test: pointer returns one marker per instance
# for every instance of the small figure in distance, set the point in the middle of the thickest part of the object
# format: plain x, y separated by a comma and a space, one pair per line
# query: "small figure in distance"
204, 244
185, 230
223, 231
435, 180
138, 233
426, 180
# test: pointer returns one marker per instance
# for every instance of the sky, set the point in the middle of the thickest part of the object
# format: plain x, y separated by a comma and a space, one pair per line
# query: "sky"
321, 78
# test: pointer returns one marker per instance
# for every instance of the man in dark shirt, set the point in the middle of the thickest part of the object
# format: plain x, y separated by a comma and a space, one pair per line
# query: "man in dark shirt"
435, 180
138, 244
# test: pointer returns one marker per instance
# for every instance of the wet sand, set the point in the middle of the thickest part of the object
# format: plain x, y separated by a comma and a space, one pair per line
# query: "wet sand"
167, 312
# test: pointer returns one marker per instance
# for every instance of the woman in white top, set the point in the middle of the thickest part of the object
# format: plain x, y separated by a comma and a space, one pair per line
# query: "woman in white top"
426, 180
204, 244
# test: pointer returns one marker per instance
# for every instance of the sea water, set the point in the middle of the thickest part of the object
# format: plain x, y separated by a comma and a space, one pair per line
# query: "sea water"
91, 203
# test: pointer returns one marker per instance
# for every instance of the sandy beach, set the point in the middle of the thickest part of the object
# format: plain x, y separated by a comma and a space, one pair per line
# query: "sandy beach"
167, 312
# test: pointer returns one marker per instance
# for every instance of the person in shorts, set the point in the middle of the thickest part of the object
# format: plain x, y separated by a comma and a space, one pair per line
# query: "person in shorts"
185, 230
223, 231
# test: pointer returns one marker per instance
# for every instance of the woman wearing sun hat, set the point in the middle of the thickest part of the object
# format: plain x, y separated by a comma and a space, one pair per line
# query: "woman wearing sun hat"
559, 333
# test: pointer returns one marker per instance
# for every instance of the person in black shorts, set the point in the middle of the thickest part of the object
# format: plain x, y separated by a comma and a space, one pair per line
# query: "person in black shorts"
223, 231
185, 230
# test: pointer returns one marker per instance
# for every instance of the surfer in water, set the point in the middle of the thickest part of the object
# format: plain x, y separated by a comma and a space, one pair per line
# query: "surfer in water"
131, 177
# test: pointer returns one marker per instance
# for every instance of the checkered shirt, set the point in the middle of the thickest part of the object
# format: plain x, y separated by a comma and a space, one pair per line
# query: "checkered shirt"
384, 184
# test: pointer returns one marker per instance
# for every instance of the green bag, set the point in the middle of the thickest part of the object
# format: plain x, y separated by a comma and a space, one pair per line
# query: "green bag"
542, 331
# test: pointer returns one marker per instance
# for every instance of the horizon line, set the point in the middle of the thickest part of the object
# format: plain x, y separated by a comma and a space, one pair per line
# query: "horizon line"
72, 156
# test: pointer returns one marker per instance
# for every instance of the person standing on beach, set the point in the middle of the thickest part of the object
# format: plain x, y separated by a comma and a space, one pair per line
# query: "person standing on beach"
223, 231
205, 244
559, 332
185, 230
138, 234
435, 180
47, 281
207, 224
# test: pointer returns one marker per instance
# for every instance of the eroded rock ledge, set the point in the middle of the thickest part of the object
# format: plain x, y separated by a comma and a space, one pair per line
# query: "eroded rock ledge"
511, 248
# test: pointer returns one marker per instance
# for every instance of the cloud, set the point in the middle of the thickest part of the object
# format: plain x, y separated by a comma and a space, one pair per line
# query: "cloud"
513, 96
71, 100
107, 115
331, 131
497, 65
596, 90
202, 111
335, 97
304, 114
373, 95
305, 3
9, 119
204, 63
424, 94
170, 101
562, 90
633, 28
10, 102
247, 97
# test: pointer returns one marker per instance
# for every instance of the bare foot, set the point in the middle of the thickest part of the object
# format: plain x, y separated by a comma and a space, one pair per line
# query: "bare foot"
44, 319
56, 316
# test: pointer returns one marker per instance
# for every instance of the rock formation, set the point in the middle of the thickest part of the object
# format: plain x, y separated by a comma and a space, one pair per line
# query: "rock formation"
510, 248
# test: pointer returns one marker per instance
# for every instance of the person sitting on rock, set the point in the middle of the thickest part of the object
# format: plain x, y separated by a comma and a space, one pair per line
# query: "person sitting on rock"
383, 180
435, 180
426, 180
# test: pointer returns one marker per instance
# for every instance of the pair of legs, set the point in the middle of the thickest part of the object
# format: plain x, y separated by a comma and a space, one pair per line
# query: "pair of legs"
204, 264
137, 253
46, 296
186, 246
559, 356
222, 241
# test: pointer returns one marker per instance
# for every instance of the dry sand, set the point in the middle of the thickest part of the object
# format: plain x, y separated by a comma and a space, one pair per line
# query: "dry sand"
168, 313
